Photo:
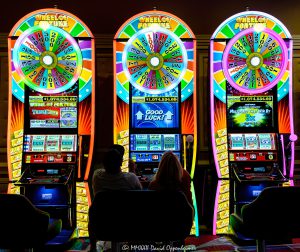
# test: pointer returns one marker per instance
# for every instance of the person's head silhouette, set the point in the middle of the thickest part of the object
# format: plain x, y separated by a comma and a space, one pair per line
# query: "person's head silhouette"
119, 148
112, 161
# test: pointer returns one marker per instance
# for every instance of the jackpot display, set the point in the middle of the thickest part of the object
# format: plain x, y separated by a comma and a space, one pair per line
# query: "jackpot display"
51, 114
251, 110
52, 111
157, 112
155, 91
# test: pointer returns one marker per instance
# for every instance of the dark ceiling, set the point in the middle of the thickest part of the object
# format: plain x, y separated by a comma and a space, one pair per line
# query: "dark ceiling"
106, 16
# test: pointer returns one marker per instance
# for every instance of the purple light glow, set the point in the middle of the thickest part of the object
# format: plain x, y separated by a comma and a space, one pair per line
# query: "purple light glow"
291, 110
273, 82
283, 155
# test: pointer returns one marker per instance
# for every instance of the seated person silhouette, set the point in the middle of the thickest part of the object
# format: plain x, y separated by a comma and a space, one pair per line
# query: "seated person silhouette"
171, 176
119, 148
131, 164
111, 177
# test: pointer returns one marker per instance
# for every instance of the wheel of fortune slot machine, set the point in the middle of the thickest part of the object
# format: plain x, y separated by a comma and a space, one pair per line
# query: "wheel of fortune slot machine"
155, 93
51, 114
251, 110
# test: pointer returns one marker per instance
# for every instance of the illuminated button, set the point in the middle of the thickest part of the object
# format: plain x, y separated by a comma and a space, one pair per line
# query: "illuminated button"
255, 61
48, 60
154, 61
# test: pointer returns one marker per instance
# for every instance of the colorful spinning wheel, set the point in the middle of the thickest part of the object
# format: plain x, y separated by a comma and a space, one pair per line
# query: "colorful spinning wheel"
49, 59
154, 60
255, 61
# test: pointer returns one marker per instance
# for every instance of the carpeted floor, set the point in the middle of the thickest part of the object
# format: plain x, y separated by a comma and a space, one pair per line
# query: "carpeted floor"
204, 243
225, 244
217, 244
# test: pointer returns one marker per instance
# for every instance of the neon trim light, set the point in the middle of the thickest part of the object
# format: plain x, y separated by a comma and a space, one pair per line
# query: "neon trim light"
254, 62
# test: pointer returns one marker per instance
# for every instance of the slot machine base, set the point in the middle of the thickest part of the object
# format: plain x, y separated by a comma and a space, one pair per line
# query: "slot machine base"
250, 180
52, 191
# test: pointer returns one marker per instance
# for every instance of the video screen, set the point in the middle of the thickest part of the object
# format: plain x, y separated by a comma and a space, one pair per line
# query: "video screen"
155, 142
155, 112
237, 141
250, 112
149, 157
251, 142
52, 111
266, 141
38, 143
68, 143
257, 141
50, 143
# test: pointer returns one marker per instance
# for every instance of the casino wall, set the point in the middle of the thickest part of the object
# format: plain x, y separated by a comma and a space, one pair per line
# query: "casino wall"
104, 22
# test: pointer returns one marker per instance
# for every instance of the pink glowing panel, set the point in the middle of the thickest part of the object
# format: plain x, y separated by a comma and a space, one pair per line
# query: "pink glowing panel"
283, 155
48, 59
293, 137
254, 61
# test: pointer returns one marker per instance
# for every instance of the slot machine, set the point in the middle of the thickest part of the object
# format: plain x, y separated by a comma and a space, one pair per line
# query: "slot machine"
251, 110
155, 92
51, 114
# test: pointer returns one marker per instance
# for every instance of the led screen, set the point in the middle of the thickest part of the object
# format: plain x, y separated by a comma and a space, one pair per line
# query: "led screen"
52, 111
250, 111
155, 112
149, 157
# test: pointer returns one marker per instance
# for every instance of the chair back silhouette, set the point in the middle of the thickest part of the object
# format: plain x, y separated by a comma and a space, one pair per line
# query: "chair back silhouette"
23, 225
140, 216
273, 215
